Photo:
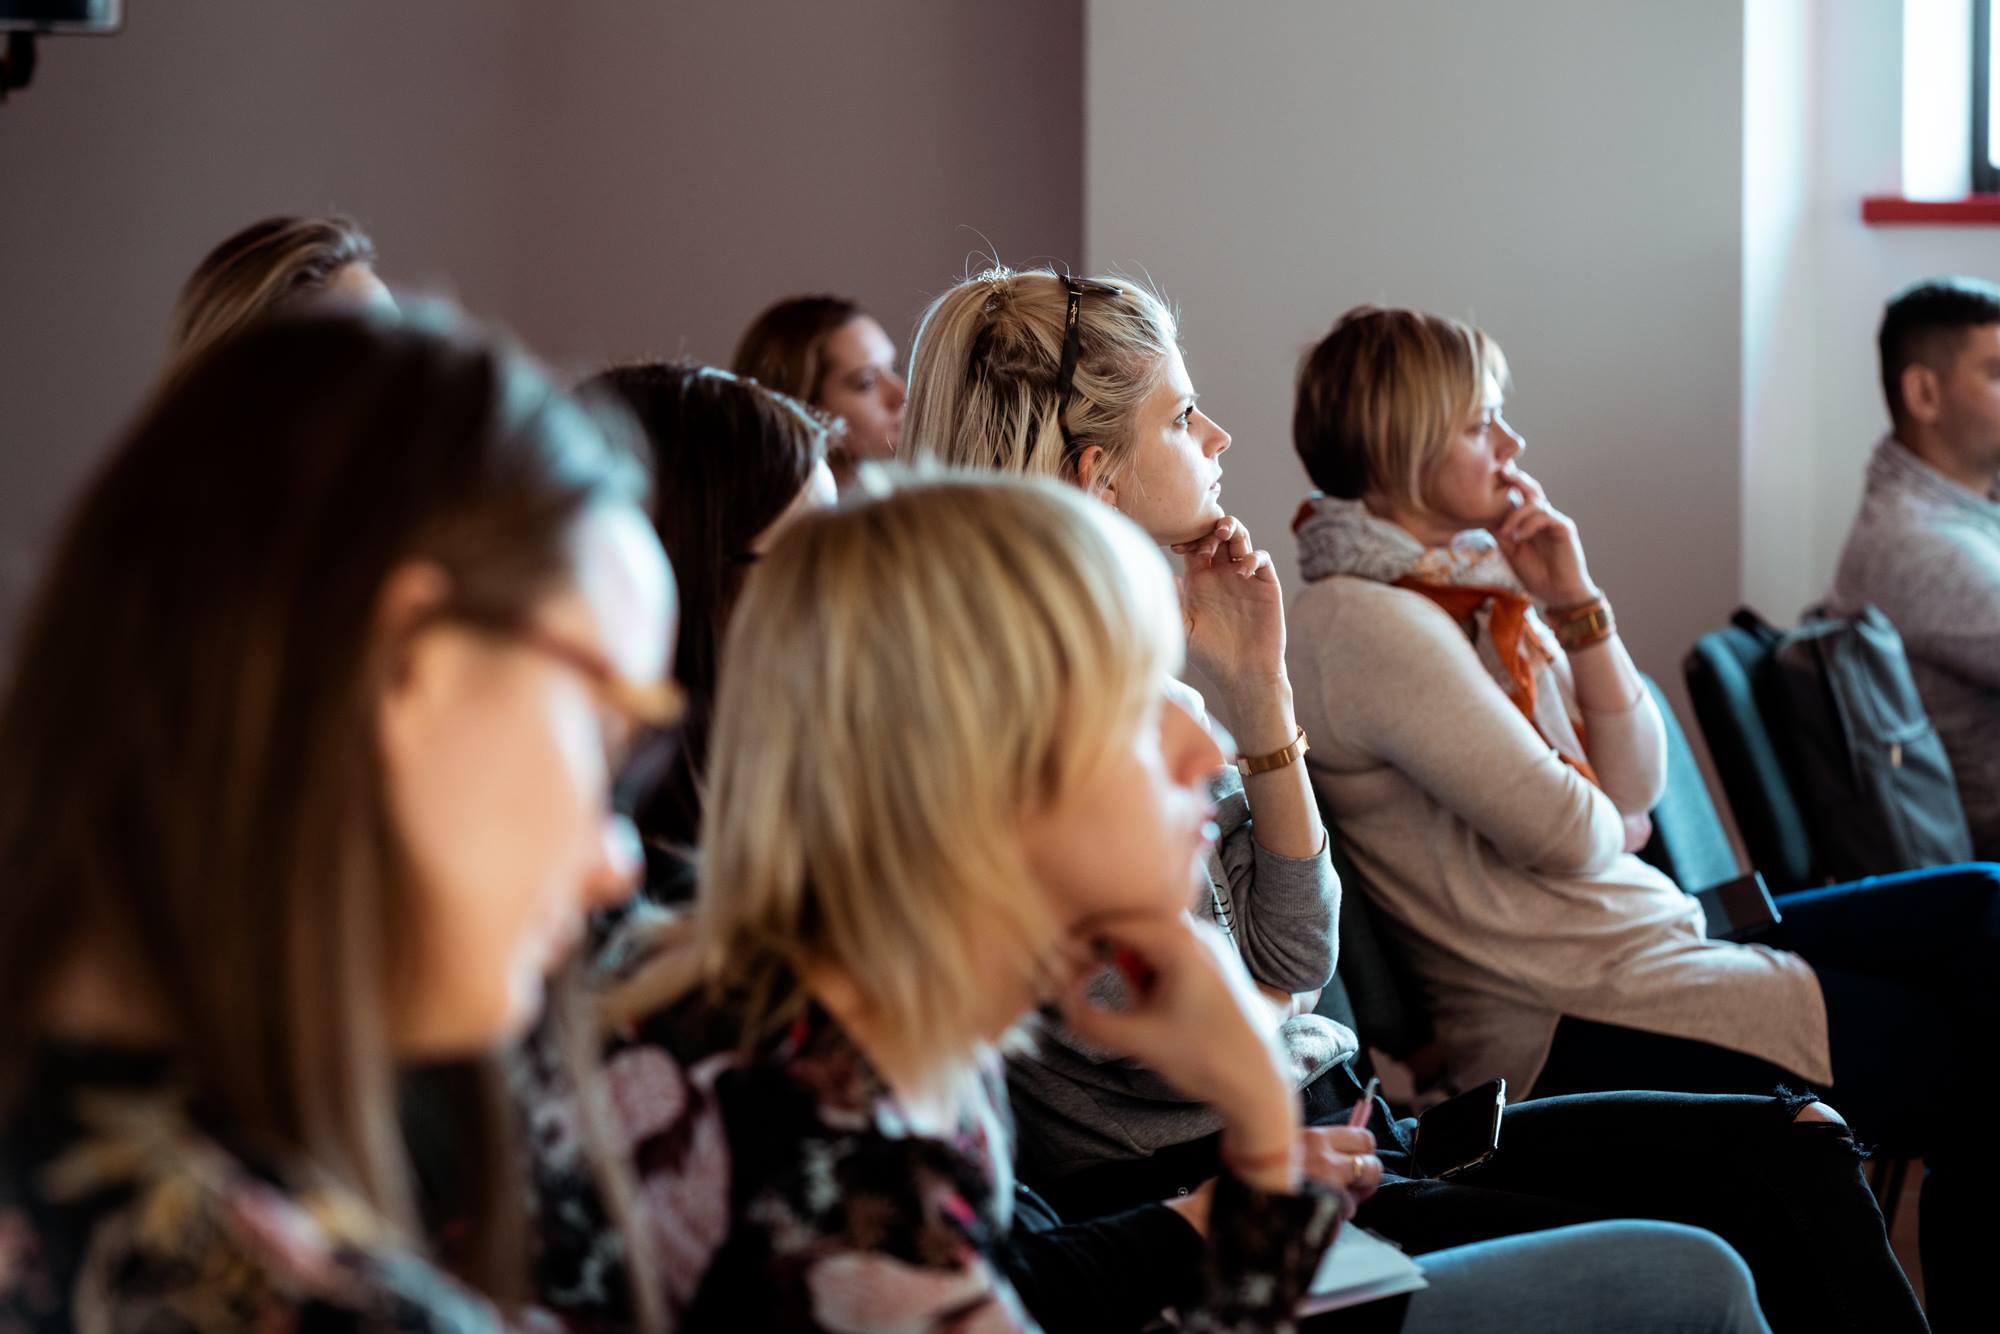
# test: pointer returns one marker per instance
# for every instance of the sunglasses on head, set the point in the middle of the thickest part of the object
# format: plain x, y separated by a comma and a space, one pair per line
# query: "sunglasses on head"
1072, 338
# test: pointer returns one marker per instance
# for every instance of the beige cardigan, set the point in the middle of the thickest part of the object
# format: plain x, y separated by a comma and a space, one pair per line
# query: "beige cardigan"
1501, 868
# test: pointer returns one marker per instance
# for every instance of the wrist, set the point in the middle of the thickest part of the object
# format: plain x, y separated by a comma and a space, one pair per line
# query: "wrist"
1571, 597
1263, 1150
1260, 714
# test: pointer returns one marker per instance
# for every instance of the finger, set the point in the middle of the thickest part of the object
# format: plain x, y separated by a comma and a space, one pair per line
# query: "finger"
1240, 545
1530, 487
1528, 508
1259, 566
1345, 1139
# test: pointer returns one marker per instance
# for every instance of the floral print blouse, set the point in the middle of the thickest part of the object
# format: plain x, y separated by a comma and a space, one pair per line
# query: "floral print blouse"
118, 1211
784, 1189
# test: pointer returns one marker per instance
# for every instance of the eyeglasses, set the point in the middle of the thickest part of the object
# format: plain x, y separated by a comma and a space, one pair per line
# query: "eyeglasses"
651, 713
1072, 337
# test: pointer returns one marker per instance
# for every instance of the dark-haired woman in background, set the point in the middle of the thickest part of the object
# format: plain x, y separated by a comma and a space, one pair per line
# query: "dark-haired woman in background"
735, 462
345, 817
827, 352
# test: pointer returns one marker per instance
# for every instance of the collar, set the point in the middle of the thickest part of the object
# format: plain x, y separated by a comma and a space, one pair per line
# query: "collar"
1895, 465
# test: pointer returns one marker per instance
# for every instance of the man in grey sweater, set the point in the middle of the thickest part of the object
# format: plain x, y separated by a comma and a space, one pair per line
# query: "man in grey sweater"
1925, 547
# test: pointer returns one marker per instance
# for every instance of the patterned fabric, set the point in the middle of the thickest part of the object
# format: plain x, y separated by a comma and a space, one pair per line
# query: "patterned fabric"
1472, 581
118, 1211
785, 1189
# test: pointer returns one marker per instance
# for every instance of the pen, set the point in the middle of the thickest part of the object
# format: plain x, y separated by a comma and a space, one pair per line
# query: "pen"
1357, 1117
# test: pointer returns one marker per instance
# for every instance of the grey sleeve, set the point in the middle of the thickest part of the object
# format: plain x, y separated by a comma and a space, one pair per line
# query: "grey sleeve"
1283, 910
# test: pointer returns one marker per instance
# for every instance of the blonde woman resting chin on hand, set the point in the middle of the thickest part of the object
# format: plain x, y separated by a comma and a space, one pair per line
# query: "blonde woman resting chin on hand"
947, 783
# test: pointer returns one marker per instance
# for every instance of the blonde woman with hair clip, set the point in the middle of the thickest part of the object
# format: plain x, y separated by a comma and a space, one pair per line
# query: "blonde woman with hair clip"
911, 841
1083, 380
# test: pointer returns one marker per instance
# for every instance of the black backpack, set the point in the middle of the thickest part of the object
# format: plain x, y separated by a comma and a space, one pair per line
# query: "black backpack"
1867, 765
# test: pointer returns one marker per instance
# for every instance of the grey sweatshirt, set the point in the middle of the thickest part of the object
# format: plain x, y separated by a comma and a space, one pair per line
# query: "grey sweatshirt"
1927, 552
1078, 1105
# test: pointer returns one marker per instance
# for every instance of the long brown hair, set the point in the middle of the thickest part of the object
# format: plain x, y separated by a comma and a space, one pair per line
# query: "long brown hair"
730, 456
190, 788
258, 270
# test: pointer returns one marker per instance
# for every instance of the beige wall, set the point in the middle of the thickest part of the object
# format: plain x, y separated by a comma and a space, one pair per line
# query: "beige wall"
613, 179
1565, 172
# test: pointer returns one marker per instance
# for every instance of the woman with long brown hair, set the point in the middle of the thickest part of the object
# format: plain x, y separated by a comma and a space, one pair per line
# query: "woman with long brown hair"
304, 777
276, 264
734, 462
829, 353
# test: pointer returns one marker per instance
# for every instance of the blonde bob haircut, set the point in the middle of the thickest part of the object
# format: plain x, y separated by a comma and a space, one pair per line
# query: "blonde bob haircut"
1383, 395
911, 676
985, 364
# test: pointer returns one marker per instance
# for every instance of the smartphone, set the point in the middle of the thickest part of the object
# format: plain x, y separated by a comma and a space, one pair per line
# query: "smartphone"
1739, 909
1461, 1132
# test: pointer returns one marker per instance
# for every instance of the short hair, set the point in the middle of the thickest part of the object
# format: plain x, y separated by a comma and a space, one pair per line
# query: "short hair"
987, 356
785, 347
729, 456
1382, 395
910, 675
1923, 323
266, 266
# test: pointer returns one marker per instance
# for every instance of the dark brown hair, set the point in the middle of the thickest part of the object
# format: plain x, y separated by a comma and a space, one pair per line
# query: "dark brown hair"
260, 269
730, 457
785, 349
190, 788
1925, 322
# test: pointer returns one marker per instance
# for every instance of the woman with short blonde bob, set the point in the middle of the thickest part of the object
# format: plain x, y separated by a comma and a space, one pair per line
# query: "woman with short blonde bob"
1490, 752
969, 819
947, 780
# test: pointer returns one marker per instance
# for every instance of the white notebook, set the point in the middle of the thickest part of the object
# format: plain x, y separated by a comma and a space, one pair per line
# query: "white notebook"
1360, 1267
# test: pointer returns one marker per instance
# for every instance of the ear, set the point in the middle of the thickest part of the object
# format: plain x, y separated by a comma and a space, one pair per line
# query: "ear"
410, 674
1923, 393
1093, 475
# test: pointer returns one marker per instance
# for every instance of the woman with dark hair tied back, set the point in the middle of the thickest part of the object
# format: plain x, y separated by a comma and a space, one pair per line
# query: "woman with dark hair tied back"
277, 264
735, 462
304, 778
827, 352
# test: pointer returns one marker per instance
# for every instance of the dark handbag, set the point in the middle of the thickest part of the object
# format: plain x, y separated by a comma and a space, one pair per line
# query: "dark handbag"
1866, 763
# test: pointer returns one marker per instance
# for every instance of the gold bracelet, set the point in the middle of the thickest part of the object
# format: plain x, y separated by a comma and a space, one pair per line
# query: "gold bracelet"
1581, 627
1277, 759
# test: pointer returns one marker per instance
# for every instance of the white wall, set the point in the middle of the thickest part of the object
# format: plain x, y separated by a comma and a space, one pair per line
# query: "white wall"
614, 179
1566, 172
1823, 100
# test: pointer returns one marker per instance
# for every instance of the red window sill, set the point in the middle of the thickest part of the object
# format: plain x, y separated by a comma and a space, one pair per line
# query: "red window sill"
1895, 211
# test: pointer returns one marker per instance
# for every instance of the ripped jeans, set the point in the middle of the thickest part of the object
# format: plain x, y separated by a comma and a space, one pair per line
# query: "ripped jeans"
1789, 1197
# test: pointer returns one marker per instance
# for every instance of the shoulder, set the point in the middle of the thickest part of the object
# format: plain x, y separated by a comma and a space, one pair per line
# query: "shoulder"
1359, 626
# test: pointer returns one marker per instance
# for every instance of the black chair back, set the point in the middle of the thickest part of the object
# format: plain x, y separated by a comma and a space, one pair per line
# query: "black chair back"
1725, 672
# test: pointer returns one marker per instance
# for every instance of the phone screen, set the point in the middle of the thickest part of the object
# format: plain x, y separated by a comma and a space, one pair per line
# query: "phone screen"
1461, 1132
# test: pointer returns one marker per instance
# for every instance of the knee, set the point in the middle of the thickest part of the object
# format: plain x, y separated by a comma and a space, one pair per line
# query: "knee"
1694, 1277
1817, 1111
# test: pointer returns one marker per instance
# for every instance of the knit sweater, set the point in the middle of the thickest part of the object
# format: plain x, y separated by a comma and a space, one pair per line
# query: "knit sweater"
1500, 867
1077, 1104
1927, 552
